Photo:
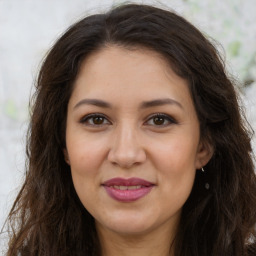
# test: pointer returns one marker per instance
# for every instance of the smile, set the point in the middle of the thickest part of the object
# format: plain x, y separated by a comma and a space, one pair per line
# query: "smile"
127, 190
126, 187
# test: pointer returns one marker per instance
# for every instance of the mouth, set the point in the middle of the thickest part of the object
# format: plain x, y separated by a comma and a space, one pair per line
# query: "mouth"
127, 187
127, 190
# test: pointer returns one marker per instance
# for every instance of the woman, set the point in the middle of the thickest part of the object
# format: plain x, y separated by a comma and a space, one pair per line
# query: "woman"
137, 145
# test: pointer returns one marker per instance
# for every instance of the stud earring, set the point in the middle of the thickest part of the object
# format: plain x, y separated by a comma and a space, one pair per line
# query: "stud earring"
206, 185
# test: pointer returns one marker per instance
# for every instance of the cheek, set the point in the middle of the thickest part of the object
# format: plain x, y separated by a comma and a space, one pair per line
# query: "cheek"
175, 162
85, 157
178, 155
85, 160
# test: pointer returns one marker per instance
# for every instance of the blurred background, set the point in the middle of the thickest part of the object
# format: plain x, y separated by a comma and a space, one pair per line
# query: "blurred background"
28, 28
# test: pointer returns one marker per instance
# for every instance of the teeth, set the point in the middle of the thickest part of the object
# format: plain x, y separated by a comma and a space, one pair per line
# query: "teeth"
126, 187
132, 187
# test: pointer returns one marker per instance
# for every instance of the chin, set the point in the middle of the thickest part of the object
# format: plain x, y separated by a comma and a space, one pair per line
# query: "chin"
129, 230
129, 224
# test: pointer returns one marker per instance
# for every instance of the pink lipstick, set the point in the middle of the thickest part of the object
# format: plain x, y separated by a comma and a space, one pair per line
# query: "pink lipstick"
127, 190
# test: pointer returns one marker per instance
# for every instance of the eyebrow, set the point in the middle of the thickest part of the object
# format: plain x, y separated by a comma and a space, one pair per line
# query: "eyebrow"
144, 104
160, 102
95, 102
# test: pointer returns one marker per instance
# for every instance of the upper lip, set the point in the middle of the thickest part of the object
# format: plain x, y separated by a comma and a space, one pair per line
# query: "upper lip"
127, 182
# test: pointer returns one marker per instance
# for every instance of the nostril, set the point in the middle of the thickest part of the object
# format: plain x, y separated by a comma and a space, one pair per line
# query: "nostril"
126, 159
125, 149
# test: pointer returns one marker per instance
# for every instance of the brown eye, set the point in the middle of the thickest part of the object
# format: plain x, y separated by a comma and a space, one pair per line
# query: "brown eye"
158, 120
98, 120
161, 120
95, 120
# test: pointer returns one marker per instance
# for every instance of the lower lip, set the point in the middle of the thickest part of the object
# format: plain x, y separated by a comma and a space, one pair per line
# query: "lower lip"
127, 195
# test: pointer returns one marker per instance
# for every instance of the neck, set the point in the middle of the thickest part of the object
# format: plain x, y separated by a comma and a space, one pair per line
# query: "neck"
152, 244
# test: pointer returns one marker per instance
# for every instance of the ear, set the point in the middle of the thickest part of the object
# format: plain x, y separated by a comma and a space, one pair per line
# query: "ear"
204, 154
66, 156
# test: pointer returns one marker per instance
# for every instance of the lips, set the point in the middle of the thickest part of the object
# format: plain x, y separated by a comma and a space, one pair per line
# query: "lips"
127, 190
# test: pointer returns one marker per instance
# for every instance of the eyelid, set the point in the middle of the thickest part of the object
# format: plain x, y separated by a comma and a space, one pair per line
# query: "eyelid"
85, 118
167, 117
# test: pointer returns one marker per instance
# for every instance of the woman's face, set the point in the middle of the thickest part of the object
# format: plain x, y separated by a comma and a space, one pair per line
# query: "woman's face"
133, 141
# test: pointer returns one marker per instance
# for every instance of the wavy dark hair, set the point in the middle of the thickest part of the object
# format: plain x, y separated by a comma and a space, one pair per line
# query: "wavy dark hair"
47, 217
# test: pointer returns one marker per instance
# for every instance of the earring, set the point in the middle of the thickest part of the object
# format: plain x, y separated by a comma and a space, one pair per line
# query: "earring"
206, 185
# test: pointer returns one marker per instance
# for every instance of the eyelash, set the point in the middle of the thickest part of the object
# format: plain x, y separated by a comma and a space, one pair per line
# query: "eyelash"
166, 118
85, 120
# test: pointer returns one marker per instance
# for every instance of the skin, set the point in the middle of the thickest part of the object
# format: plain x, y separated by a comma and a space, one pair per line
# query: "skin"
128, 140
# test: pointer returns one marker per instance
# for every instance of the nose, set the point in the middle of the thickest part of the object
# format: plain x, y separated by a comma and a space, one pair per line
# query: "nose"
126, 150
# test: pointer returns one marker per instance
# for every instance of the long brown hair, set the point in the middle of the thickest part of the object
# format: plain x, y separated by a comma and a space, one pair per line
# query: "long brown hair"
47, 217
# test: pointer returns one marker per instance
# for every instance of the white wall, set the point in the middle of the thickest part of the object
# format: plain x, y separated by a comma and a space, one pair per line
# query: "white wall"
28, 28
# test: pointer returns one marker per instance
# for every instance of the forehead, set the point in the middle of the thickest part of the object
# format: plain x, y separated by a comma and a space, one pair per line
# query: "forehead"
115, 72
